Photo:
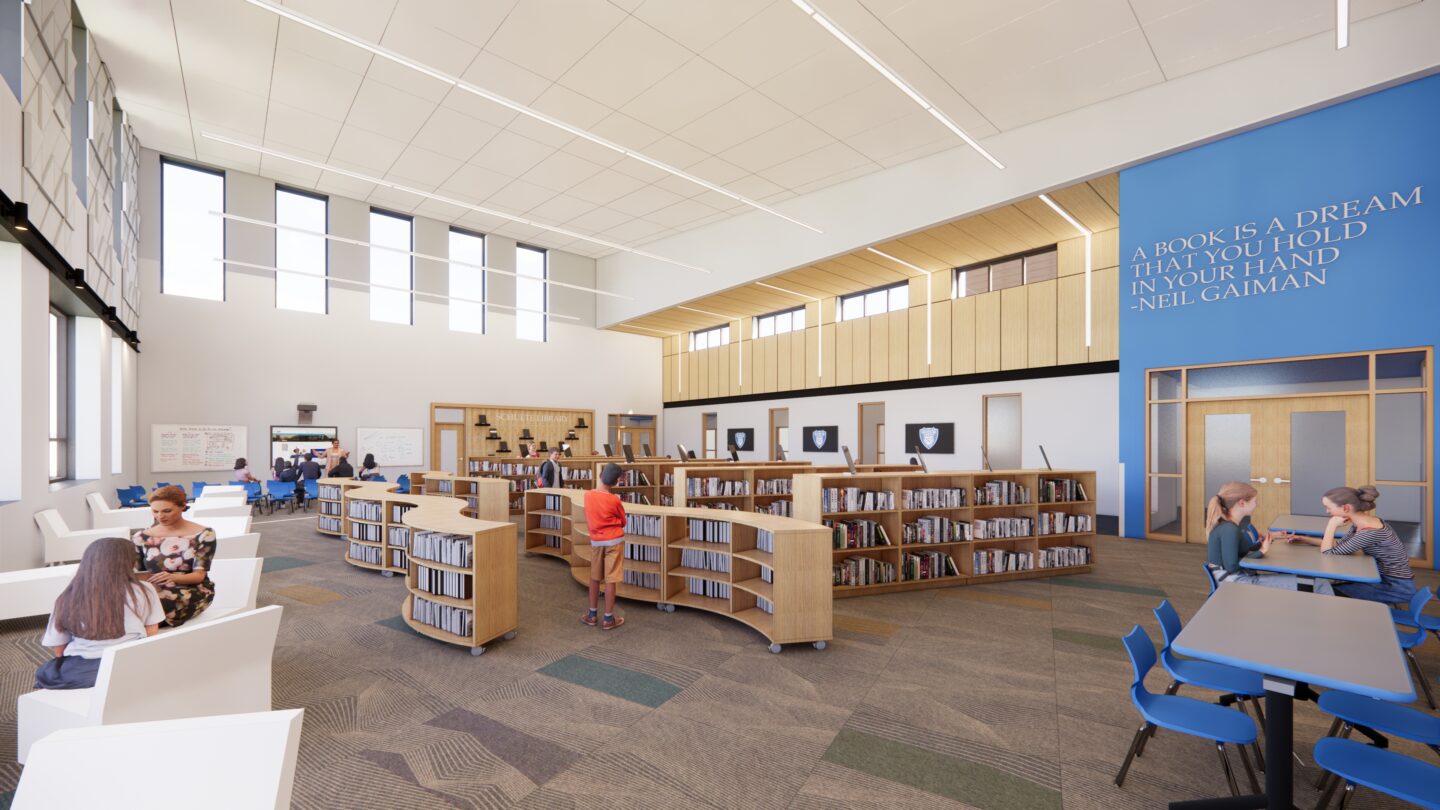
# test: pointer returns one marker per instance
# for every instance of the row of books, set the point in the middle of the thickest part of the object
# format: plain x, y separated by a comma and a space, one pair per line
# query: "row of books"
1061, 489
855, 499
765, 540
400, 536
450, 549
863, 571
721, 505
1064, 523
328, 492
705, 560
935, 529
330, 508
633, 478
551, 541
556, 503
397, 558
366, 554
767, 574
927, 565
331, 524
633, 497
1000, 561
709, 531
715, 487
454, 620
369, 532
669, 480
773, 486
642, 579
705, 587
781, 508
398, 510
667, 500
643, 525
444, 583
933, 498
1002, 527
1000, 493
1063, 556
553, 522
445, 486
472, 502
857, 534
367, 510
765, 605
643, 553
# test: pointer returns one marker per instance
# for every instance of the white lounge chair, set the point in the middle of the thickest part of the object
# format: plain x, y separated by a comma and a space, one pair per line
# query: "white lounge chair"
226, 670
62, 544
237, 547
237, 586
32, 592
249, 763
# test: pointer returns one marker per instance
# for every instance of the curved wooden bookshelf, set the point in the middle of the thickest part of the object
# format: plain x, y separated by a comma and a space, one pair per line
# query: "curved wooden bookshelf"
783, 593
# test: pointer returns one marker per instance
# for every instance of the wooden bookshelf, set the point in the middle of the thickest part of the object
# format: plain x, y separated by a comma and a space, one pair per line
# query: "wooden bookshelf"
763, 488
792, 576
485, 498
331, 517
645, 481
488, 601
1030, 531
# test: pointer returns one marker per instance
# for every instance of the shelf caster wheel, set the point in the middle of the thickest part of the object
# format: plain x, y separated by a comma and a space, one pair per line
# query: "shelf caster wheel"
477, 651
510, 636
820, 645
774, 648
669, 608
387, 573
660, 606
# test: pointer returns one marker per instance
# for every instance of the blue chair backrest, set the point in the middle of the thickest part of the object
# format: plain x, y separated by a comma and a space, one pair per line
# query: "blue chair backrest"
252, 491
124, 496
404, 483
1142, 658
159, 484
1412, 638
1209, 575
280, 489
1169, 622
377, 478
312, 488
196, 487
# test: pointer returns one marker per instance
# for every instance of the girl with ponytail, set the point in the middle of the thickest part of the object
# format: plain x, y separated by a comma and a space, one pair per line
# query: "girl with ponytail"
1232, 538
1354, 507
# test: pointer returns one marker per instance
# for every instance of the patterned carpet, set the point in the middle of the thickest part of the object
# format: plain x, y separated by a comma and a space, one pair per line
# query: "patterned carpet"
1001, 697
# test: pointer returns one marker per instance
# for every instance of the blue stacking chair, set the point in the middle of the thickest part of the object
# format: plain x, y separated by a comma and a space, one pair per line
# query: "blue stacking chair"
132, 496
1358, 764
280, 492
403, 482
312, 492
1184, 715
377, 478
1376, 717
1238, 685
162, 484
196, 487
1210, 575
253, 495
1414, 636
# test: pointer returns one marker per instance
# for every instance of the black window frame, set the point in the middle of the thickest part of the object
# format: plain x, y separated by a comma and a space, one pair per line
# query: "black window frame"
275, 246
224, 226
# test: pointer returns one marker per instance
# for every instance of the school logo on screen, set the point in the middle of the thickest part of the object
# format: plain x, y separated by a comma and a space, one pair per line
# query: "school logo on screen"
928, 437
740, 440
818, 437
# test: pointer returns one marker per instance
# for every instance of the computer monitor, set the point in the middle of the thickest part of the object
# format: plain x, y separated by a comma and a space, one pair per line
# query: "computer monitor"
1046, 457
544, 448
609, 452
734, 454
920, 459
629, 454
849, 460
690, 454
780, 452
680, 448
568, 454
645, 450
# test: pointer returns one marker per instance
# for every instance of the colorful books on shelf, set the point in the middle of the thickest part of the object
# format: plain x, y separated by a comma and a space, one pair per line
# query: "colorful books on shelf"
668, 480
928, 565
709, 531
556, 503
935, 529
331, 524
1063, 557
643, 525
715, 487
552, 522
454, 620
1000, 561
667, 500
633, 497
934, 498
1001, 493
765, 540
854, 499
366, 554
1065, 523
398, 510
863, 571
781, 508
773, 486
1002, 528
1061, 489
450, 549
444, 583
367, 510
633, 478
858, 533
722, 505
445, 486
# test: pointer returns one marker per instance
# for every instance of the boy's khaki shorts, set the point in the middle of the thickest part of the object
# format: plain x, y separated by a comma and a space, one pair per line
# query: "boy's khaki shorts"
605, 565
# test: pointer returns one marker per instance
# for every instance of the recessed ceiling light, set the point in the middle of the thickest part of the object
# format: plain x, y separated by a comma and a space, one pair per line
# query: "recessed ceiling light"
315, 164
460, 84
891, 76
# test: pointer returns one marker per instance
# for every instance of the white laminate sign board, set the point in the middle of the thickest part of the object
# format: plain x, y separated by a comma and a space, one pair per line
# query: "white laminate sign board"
195, 448
393, 447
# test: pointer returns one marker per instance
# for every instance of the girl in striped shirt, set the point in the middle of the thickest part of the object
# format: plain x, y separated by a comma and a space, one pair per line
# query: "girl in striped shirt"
1350, 506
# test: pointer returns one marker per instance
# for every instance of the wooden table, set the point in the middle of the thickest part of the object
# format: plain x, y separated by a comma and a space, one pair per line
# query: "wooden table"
1294, 640
1308, 563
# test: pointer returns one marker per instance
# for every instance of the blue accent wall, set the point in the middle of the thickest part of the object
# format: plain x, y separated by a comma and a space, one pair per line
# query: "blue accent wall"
1362, 274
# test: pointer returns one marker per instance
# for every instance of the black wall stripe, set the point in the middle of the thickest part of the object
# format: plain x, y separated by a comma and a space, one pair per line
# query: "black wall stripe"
1072, 370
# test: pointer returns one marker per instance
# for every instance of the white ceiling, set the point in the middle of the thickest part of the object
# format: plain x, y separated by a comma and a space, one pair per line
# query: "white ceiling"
748, 94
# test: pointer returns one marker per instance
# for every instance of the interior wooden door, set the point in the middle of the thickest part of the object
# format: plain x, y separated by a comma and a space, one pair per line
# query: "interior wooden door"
1291, 449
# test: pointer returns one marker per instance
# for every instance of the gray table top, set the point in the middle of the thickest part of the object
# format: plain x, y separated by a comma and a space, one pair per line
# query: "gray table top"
1345, 644
1306, 560
1301, 524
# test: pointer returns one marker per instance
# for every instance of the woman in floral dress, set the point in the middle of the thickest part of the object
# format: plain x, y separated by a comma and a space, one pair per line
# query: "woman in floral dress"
176, 555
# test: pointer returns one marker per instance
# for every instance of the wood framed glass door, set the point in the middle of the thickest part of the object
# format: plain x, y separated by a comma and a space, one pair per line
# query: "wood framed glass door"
1291, 449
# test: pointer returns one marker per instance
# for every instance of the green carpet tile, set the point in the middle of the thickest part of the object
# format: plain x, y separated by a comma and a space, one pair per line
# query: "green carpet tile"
1003, 696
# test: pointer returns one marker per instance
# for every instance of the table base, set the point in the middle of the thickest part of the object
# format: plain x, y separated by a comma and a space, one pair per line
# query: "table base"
1279, 793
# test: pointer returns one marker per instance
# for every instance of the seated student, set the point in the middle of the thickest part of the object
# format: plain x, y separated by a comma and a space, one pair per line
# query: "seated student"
1232, 538
103, 605
1351, 506
177, 554
342, 468
277, 468
288, 475
368, 468
310, 469
242, 472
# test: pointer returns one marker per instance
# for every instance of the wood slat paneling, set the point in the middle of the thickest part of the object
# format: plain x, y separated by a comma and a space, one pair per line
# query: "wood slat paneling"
1014, 329
844, 366
879, 346
1070, 320
941, 344
1041, 324
797, 360
962, 331
900, 342
987, 332
1105, 320
915, 357
782, 361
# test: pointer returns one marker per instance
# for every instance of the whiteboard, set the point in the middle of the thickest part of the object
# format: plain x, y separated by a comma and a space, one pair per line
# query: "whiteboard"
393, 447
195, 448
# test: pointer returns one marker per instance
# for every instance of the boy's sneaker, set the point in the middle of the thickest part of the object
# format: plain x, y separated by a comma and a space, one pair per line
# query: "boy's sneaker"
588, 618
612, 622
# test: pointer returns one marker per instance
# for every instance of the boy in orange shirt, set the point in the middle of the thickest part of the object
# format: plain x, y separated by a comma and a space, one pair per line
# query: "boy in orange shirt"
605, 518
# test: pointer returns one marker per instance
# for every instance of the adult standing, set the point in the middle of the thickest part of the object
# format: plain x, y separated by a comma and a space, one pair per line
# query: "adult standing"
552, 474
333, 455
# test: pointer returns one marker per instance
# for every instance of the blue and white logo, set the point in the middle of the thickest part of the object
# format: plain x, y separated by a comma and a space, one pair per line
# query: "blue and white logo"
818, 437
928, 436
740, 440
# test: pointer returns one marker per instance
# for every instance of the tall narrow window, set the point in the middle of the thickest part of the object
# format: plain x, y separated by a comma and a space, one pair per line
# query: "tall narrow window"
467, 281
301, 257
192, 232
117, 405
392, 268
531, 301
59, 395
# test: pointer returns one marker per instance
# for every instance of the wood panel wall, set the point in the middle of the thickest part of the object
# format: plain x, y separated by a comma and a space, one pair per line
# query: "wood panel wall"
1030, 326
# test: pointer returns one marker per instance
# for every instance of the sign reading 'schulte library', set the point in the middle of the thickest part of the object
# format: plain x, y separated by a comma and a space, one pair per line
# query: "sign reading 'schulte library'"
1290, 251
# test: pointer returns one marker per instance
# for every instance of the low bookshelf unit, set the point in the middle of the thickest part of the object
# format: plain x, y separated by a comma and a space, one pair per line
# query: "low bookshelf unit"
768, 573
910, 530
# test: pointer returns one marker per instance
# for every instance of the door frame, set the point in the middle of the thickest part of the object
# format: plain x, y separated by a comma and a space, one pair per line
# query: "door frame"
985, 425
860, 428
704, 451
774, 439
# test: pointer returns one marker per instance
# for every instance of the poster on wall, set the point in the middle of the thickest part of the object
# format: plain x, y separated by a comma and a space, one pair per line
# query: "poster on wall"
195, 448
824, 439
742, 439
288, 440
931, 437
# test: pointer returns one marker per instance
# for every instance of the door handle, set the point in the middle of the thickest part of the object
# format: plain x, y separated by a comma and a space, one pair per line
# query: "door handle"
1259, 480
1280, 480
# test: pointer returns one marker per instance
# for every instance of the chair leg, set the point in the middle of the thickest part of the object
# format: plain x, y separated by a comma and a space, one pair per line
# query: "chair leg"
1130, 755
1259, 757
1140, 751
1329, 792
1420, 676
1325, 775
1249, 771
1229, 772
1349, 794
1172, 688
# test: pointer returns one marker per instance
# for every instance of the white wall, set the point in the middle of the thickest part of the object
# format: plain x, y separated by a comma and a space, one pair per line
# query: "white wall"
1074, 417
244, 362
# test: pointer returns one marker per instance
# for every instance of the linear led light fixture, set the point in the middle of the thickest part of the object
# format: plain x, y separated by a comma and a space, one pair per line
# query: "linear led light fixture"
819, 332
1342, 24
881, 68
929, 294
359, 243
529, 112
1086, 233
315, 164
370, 285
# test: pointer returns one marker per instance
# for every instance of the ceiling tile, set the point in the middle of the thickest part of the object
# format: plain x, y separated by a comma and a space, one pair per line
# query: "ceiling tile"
518, 197
629, 59
734, 122
548, 36
639, 170
422, 168
642, 201
343, 186
605, 186
831, 74
322, 87
681, 214
365, 151
445, 212
321, 47
785, 142
774, 40
386, 111
499, 75
571, 107
365, 19
636, 232
454, 134
696, 88
560, 171
873, 103
471, 183
407, 81
422, 30
820, 163
289, 173
621, 129
835, 179
299, 130
902, 134
598, 220
560, 209
393, 200
697, 26
227, 109
511, 154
